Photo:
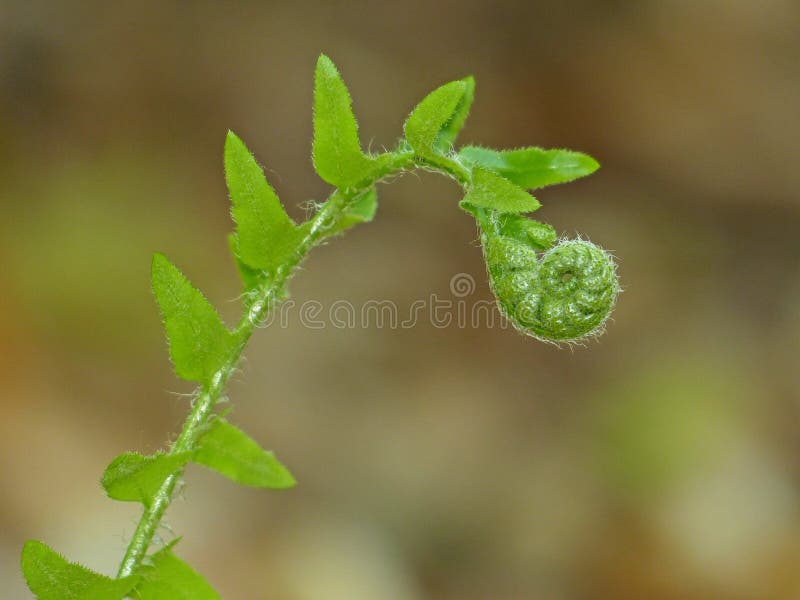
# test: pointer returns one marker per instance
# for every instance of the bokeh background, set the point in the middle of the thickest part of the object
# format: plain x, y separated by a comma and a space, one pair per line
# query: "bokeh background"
660, 462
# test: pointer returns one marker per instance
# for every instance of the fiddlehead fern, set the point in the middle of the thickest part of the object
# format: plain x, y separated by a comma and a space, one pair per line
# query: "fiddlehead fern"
564, 295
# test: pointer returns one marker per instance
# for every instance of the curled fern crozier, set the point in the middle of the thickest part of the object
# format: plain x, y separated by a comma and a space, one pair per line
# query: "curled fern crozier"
564, 295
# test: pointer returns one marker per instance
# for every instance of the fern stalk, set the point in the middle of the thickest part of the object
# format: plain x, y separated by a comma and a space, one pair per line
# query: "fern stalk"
266, 298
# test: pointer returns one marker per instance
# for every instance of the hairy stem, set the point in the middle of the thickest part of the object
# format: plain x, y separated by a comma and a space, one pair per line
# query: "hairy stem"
259, 305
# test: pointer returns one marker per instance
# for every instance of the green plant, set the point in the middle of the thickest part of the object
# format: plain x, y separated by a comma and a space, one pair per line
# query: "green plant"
565, 294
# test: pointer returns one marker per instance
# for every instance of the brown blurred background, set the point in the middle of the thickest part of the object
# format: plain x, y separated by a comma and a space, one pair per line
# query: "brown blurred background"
458, 463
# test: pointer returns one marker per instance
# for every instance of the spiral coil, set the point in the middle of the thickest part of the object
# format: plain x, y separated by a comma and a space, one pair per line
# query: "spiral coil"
564, 295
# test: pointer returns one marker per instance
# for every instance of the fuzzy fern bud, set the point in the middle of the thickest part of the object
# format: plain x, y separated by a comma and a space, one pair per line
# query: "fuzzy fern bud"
564, 295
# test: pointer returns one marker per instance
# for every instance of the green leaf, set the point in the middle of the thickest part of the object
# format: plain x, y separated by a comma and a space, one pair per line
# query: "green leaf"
488, 190
170, 578
250, 277
51, 577
362, 210
336, 151
532, 168
132, 477
533, 233
199, 343
451, 129
267, 236
231, 452
434, 123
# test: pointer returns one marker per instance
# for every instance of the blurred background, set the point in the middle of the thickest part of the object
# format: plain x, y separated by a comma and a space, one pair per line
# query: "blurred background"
469, 463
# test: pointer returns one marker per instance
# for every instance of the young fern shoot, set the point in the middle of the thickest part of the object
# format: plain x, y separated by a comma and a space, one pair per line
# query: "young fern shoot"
555, 291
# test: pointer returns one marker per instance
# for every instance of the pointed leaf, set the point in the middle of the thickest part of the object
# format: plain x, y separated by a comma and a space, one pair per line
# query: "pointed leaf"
132, 477
231, 452
532, 168
488, 190
267, 236
337, 154
451, 129
362, 210
51, 577
441, 112
170, 578
199, 343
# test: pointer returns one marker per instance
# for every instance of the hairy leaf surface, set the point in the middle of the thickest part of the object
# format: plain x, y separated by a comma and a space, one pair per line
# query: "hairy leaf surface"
267, 236
170, 578
492, 191
250, 276
51, 577
199, 343
532, 168
449, 132
229, 451
540, 236
132, 477
435, 121
336, 150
